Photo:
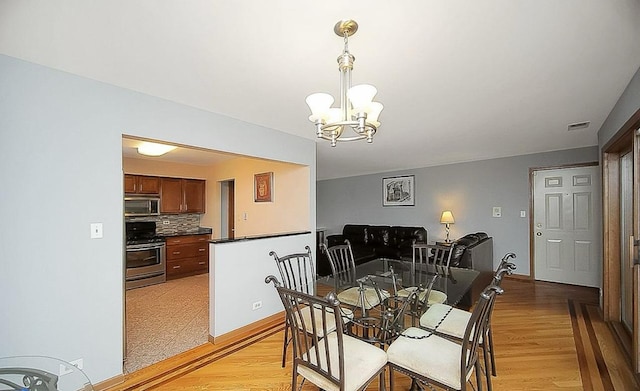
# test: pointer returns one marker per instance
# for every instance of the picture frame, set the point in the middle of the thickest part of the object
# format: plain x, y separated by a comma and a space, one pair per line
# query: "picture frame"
263, 187
398, 191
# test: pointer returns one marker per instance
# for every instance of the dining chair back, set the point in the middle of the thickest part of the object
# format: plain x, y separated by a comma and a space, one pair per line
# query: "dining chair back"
451, 322
432, 359
297, 272
360, 293
326, 356
427, 265
343, 266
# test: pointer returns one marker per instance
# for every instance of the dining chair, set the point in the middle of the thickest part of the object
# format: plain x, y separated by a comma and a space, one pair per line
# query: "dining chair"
430, 358
450, 322
360, 293
327, 357
297, 272
428, 262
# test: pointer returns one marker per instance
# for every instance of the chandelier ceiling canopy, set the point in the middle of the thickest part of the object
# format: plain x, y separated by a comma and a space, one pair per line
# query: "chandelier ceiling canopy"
357, 112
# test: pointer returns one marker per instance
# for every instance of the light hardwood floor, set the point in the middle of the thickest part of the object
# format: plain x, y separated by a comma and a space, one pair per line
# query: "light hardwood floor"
547, 336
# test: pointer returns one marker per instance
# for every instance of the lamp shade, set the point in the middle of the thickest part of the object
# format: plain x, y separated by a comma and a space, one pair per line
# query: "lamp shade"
319, 104
447, 217
361, 96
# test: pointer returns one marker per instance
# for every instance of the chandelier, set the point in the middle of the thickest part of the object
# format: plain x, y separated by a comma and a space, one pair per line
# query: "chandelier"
357, 112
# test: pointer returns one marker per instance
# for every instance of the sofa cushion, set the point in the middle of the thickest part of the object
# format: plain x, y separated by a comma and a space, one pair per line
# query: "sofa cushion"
355, 233
378, 235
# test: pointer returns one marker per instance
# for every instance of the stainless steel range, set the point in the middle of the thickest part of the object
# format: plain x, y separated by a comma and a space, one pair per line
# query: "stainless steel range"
145, 259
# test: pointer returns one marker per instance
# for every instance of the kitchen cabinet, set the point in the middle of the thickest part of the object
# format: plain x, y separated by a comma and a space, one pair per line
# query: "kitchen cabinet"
180, 195
187, 255
141, 184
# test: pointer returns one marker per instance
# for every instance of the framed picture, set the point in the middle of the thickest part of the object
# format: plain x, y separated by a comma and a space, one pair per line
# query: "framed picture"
263, 187
398, 191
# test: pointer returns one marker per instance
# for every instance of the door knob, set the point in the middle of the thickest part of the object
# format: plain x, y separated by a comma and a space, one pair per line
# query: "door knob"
538, 233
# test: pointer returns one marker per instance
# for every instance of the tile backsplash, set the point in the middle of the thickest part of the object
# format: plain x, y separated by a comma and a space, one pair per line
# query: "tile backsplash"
172, 224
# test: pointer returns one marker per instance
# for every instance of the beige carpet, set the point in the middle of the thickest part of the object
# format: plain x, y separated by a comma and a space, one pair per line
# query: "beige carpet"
166, 319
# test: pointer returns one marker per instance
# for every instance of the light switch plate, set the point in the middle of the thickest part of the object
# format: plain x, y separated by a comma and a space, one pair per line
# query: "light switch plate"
96, 230
497, 211
523, 213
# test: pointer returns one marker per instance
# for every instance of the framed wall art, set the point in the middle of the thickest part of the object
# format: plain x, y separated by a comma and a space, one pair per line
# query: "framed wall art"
263, 187
398, 191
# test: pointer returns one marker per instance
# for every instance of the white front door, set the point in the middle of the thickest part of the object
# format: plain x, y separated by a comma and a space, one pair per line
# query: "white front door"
566, 211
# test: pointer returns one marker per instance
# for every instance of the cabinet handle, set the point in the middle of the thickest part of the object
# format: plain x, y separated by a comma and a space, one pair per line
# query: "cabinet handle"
202, 249
176, 253
177, 241
200, 263
177, 267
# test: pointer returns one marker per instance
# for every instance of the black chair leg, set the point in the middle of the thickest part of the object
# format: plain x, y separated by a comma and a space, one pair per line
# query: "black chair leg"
493, 358
478, 375
487, 363
285, 344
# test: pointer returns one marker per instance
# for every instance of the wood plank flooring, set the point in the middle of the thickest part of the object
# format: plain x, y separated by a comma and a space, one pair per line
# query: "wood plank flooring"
547, 336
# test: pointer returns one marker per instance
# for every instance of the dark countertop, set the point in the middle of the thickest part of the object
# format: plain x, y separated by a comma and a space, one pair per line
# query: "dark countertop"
253, 237
200, 231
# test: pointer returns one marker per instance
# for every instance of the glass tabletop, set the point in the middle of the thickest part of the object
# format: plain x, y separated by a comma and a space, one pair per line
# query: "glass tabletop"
382, 324
455, 282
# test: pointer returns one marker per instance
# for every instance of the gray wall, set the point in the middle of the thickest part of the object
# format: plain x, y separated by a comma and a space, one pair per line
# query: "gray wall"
61, 169
626, 106
469, 190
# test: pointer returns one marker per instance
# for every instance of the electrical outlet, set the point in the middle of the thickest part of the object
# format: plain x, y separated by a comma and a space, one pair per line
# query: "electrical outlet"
166, 222
257, 305
497, 211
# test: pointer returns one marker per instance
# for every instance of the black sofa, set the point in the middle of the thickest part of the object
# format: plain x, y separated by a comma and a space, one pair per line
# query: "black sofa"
369, 242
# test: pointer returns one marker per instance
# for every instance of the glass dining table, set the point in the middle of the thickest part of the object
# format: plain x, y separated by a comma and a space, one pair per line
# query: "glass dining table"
383, 323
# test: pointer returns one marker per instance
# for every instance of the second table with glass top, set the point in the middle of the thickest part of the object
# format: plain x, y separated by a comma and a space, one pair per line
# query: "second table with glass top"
385, 322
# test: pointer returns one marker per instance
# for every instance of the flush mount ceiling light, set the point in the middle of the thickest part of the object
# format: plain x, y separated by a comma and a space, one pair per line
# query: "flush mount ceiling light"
357, 112
154, 149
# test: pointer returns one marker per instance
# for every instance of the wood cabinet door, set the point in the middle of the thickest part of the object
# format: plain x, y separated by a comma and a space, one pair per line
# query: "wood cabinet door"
148, 185
129, 183
194, 195
171, 195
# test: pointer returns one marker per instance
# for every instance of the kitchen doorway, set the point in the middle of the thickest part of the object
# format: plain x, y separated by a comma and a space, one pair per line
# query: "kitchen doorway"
227, 209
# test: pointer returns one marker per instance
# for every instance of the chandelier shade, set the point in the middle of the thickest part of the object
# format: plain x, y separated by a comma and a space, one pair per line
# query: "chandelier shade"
358, 114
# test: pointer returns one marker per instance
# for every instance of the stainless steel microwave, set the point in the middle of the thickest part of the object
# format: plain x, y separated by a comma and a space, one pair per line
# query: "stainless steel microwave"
141, 206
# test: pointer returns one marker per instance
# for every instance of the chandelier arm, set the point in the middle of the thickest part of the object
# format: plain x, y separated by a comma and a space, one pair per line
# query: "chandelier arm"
343, 139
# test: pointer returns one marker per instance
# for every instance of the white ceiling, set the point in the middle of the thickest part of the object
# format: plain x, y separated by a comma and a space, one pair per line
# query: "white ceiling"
460, 80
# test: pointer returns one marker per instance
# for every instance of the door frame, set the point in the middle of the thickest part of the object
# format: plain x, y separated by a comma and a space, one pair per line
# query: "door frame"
532, 170
611, 273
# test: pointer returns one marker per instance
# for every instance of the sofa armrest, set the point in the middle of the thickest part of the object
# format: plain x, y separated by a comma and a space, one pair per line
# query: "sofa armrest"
479, 256
334, 240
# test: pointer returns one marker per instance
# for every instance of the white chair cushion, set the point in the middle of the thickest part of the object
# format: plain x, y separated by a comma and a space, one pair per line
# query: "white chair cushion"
361, 362
306, 317
346, 315
454, 324
434, 296
351, 296
434, 357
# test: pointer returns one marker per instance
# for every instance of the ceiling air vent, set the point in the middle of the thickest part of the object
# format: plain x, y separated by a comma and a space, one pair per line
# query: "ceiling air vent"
578, 125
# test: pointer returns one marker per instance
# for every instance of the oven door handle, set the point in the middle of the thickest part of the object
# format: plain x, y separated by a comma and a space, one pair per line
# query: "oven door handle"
138, 247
